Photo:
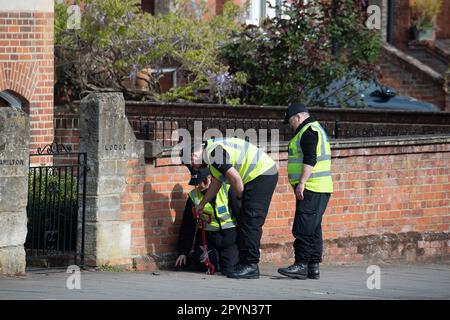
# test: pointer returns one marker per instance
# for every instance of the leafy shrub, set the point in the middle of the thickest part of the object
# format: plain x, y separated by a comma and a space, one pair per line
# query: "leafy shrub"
118, 43
424, 13
297, 55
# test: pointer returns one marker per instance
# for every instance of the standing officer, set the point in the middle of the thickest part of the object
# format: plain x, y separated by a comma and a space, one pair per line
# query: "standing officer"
309, 171
253, 176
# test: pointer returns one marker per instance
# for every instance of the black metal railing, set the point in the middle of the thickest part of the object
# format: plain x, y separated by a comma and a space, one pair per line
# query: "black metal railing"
161, 121
167, 130
56, 206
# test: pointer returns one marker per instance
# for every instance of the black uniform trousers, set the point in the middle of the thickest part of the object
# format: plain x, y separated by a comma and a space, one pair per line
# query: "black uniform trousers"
222, 249
255, 206
307, 227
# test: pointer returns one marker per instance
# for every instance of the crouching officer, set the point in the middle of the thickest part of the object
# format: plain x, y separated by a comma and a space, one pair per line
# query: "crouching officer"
309, 171
253, 176
220, 231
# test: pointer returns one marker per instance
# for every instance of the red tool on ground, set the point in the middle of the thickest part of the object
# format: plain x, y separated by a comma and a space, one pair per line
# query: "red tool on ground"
206, 260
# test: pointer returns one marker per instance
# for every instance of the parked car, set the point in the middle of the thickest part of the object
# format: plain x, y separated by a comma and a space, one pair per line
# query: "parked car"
370, 94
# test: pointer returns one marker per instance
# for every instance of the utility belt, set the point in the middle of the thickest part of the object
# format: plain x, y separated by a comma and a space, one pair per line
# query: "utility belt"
224, 233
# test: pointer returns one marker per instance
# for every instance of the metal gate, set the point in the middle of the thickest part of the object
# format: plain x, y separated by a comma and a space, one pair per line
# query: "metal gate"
56, 208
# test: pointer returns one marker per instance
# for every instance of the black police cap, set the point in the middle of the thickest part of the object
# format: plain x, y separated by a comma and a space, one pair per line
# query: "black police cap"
293, 109
197, 176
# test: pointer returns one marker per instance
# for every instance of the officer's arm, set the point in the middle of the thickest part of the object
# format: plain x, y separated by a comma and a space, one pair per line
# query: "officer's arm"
213, 189
187, 230
307, 170
235, 181
308, 144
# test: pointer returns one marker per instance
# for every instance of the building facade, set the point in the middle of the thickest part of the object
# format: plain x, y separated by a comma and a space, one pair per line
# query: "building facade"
26, 62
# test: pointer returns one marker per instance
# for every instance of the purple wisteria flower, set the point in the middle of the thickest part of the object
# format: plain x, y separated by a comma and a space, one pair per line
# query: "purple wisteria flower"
128, 16
224, 79
101, 19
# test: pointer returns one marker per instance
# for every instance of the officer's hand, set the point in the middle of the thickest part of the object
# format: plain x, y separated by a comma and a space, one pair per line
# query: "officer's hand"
299, 191
181, 261
199, 209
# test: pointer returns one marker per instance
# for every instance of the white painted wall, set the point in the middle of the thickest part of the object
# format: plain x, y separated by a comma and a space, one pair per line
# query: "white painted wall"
27, 5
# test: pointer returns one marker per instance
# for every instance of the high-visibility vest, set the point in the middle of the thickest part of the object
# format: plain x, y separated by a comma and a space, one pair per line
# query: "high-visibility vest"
320, 179
221, 217
248, 160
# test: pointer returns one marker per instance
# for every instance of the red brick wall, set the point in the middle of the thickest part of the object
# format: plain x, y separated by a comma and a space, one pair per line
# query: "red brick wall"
132, 206
443, 21
402, 23
26, 67
217, 5
66, 130
389, 202
410, 81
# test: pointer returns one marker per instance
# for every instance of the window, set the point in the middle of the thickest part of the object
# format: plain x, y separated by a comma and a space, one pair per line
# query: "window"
156, 6
7, 99
148, 6
259, 9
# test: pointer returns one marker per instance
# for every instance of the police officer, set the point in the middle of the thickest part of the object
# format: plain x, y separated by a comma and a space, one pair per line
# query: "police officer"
221, 234
309, 171
253, 176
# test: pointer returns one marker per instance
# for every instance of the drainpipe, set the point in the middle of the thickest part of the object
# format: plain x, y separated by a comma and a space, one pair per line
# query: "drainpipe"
390, 22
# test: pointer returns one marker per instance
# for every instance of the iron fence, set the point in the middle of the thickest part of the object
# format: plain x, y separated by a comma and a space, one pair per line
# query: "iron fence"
56, 206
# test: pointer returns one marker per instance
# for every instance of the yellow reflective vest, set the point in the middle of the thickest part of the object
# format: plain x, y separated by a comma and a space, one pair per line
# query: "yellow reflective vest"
320, 179
221, 217
249, 161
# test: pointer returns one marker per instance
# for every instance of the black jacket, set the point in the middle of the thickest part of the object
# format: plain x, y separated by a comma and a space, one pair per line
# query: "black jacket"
188, 225
308, 143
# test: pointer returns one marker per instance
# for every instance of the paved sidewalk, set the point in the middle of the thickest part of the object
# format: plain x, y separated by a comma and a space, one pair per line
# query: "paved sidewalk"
429, 281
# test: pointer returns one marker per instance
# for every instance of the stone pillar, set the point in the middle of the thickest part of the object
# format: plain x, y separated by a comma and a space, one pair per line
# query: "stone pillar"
14, 154
109, 141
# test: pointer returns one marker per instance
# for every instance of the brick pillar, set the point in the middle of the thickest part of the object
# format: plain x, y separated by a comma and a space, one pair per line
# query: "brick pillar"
402, 24
109, 141
443, 21
26, 61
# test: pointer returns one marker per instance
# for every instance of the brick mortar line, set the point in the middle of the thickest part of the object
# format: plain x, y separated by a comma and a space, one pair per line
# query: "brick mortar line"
386, 154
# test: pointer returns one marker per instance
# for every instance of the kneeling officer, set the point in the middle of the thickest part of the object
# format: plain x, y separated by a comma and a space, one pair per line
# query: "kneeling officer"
220, 228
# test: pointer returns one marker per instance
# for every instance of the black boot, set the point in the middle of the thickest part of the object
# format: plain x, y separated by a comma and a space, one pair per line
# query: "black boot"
313, 270
244, 271
296, 271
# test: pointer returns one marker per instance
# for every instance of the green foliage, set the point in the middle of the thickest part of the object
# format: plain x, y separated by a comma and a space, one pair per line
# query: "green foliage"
55, 187
186, 93
117, 41
424, 13
291, 57
297, 55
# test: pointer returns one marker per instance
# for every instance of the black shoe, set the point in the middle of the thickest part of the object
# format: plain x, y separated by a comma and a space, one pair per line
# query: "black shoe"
313, 271
244, 271
296, 271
